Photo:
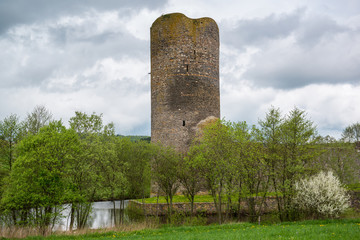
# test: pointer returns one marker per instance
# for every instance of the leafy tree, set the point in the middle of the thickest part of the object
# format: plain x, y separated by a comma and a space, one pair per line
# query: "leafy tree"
137, 156
190, 178
342, 158
84, 174
164, 168
270, 132
113, 167
92, 174
38, 118
85, 124
37, 187
230, 157
290, 144
83, 177
252, 169
327, 139
352, 133
10, 134
213, 156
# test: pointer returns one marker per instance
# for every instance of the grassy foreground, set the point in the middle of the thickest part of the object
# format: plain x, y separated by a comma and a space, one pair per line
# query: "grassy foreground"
326, 229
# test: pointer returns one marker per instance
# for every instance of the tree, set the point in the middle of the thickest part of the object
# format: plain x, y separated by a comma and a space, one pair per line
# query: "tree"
270, 133
97, 173
342, 158
37, 119
230, 157
37, 186
10, 134
164, 168
290, 144
190, 178
85, 173
252, 169
85, 124
351, 133
213, 157
83, 177
135, 157
113, 168
138, 156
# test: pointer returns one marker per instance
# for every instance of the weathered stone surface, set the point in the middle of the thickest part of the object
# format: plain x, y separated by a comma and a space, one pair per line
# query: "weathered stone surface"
184, 77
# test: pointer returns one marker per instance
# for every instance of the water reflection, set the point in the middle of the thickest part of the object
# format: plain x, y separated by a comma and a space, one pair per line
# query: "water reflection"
101, 216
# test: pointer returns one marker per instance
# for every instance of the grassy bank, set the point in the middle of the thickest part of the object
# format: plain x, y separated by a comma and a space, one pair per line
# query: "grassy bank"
198, 198
323, 229
178, 199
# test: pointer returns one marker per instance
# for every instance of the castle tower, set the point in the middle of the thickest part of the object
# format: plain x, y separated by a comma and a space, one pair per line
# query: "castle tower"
184, 77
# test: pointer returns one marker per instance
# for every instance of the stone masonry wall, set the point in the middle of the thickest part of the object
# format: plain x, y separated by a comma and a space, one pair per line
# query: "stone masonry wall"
184, 77
203, 207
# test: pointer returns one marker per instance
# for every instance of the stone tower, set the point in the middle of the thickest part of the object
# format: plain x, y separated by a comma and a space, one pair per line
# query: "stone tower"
184, 77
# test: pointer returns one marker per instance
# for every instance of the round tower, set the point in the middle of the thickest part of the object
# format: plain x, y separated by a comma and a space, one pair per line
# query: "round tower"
184, 77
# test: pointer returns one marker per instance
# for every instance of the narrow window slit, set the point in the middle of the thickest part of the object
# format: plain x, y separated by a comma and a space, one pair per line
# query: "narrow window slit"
187, 68
183, 122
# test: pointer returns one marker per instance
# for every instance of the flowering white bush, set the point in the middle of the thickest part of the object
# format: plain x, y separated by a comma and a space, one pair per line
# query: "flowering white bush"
321, 194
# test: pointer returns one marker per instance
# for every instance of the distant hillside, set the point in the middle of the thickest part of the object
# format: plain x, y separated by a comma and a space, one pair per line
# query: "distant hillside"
135, 138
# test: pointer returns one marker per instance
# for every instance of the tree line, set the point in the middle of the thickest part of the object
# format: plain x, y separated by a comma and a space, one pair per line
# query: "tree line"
44, 165
236, 162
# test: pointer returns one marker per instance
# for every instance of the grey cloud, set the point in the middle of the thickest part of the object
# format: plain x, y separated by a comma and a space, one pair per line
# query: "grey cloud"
99, 45
315, 29
67, 54
320, 50
14, 12
255, 31
308, 68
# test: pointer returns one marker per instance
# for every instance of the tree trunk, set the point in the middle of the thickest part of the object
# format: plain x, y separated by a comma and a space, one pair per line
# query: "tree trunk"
220, 204
252, 211
192, 206
157, 204
278, 200
170, 208
10, 154
72, 217
115, 223
82, 215
228, 207
121, 211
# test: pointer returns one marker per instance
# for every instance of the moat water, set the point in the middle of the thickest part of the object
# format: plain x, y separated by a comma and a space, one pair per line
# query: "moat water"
102, 215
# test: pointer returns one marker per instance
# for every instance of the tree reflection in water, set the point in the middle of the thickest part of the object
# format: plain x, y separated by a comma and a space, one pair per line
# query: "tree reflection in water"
101, 216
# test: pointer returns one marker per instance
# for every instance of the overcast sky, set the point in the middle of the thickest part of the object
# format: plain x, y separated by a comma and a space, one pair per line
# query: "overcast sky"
94, 56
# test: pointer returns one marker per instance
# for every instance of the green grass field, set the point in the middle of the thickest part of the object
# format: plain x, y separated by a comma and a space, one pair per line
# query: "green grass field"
198, 198
325, 229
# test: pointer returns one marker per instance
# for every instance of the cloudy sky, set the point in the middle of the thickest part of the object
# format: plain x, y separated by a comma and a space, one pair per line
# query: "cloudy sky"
94, 56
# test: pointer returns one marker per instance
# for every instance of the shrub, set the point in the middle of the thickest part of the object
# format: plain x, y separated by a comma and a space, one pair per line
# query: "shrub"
321, 194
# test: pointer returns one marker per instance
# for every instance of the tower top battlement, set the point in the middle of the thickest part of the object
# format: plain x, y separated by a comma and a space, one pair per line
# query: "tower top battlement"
174, 19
